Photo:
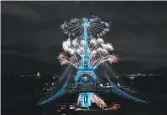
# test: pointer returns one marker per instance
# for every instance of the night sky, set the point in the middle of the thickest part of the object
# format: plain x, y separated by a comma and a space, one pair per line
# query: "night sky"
31, 38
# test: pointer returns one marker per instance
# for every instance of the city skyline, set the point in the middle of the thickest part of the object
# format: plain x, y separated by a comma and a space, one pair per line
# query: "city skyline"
32, 40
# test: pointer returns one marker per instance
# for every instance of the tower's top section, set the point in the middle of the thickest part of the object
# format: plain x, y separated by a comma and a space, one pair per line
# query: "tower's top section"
95, 27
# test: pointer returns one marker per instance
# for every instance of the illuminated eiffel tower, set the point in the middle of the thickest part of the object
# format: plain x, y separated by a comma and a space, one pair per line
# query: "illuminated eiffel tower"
85, 67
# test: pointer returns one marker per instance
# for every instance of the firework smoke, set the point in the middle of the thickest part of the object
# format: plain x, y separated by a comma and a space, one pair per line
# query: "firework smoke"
99, 52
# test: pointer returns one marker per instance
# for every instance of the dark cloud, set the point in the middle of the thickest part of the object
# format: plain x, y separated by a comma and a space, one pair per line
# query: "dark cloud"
138, 31
20, 11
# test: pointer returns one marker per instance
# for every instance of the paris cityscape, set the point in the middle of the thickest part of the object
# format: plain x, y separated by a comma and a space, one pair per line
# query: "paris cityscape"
77, 58
48, 81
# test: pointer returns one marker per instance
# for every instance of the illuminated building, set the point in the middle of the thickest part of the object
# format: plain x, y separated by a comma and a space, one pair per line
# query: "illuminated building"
38, 74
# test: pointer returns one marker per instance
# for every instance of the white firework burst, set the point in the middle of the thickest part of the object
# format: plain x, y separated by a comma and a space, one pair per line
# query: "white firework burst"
98, 50
96, 27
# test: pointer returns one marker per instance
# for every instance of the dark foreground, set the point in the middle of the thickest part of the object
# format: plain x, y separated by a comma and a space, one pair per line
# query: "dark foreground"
14, 101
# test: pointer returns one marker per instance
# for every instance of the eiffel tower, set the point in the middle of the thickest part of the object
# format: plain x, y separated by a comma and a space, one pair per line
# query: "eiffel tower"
85, 67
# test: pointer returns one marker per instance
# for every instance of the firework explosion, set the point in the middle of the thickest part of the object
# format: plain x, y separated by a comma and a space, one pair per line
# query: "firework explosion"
98, 50
74, 27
